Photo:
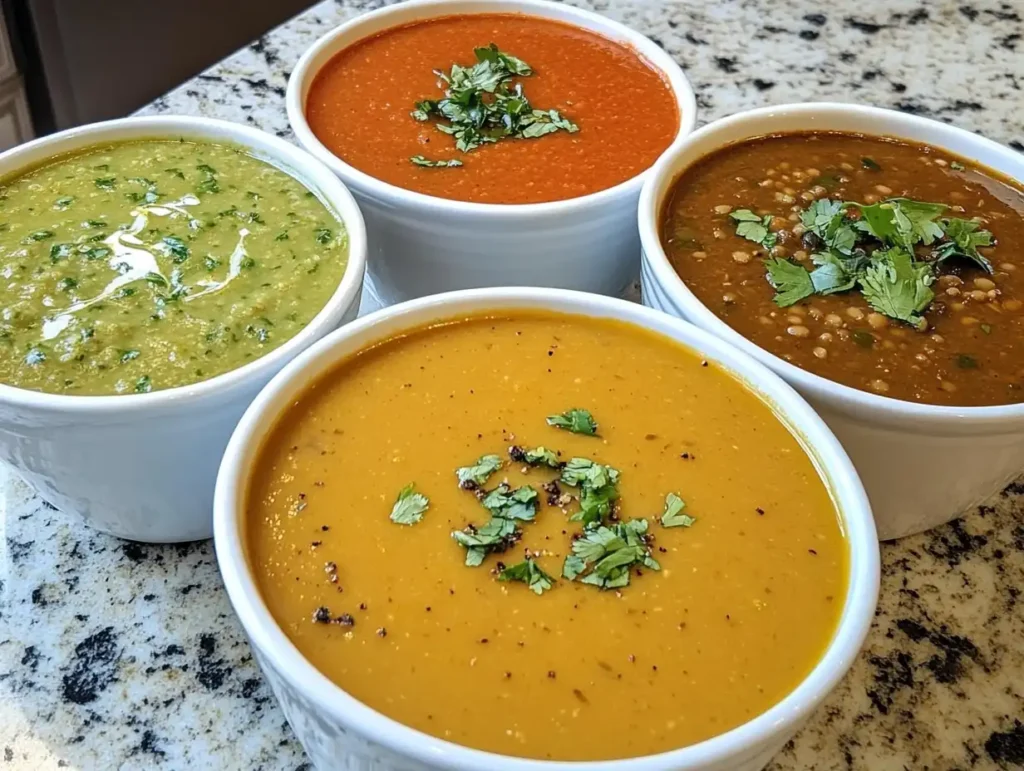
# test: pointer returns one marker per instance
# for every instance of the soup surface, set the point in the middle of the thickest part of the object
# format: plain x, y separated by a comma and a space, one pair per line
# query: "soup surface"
931, 312
360, 107
146, 265
716, 619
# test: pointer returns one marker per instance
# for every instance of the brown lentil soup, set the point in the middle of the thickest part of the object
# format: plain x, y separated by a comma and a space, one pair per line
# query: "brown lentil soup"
969, 348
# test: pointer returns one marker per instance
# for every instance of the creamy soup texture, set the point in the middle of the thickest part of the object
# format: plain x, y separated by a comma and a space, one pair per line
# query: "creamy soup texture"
717, 619
146, 265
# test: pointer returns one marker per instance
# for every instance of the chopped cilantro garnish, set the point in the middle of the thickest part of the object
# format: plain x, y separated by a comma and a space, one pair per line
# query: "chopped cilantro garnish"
674, 516
754, 228
63, 202
895, 285
965, 236
605, 555
541, 456
419, 160
129, 355
966, 361
495, 536
792, 282
176, 247
957, 166
480, 106
875, 248
410, 506
323, 235
471, 477
507, 503
598, 486
530, 573
105, 183
870, 164
38, 235
576, 420
901, 221
143, 385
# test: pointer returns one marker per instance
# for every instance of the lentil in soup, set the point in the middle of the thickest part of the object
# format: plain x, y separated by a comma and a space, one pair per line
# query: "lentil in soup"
146, 265
588, 526
892, 267
595, 113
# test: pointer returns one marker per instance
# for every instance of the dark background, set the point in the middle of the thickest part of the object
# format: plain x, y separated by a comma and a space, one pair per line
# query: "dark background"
89, 60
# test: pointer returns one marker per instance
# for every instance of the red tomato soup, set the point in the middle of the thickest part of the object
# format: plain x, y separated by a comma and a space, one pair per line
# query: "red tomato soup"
615, 113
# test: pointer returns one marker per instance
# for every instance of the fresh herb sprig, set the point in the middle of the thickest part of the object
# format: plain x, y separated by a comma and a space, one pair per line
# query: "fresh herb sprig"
530, 573
891, 251
598, 485
409, 506
605, 555
481, 106
575, 420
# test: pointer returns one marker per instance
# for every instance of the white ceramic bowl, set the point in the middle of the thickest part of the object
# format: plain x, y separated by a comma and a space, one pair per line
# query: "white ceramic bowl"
421, 245
340, 732
143, 466
922, 464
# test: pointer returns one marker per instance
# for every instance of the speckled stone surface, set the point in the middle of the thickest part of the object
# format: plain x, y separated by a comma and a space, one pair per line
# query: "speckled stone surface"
118, 655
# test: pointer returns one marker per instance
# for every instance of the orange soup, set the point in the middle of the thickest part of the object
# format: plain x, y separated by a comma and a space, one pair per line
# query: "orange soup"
507, 532
381, 106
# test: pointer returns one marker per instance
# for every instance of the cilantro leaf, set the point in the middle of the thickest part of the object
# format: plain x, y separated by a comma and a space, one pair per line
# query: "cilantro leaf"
598, 485
674, 516
495, 536
896, 286
481, 106
471, 477
409, 507
530, 573
575, 420
538, 456
792, 282
901, 221
827, 220
585, 472
176, 247
754, 228
964, 238
608, 553
419, 160
834, 274
507, 503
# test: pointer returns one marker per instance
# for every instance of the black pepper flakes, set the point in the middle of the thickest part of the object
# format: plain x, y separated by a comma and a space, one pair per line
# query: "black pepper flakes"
551, 674
362, 606
813, 552
322, 615
345, 619
382, 632
760, 511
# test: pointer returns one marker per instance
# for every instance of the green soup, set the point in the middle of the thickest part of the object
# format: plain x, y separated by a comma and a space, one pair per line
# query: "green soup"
133, 267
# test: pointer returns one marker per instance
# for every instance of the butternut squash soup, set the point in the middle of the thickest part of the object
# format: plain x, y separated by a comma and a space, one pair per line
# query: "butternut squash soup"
493, 108
508, 531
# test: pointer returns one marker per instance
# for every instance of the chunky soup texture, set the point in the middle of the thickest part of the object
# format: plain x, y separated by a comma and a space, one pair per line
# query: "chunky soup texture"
139, 266
745, 601
969, 348
359, 106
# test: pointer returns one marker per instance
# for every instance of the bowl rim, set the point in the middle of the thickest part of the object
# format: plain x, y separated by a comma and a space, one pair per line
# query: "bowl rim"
269, 640
328, 46
285, 156
817, 116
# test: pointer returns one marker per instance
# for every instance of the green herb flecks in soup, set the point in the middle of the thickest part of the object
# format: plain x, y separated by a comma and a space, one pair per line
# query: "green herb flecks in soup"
147, 265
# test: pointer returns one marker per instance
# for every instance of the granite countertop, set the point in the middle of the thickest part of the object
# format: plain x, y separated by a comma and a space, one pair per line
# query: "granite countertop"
121, 655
